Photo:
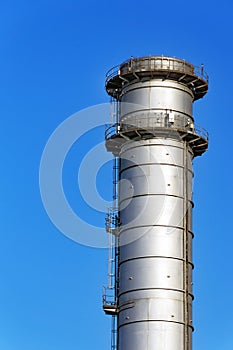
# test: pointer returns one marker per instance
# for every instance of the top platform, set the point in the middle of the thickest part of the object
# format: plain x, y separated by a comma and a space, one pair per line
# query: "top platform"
157, 67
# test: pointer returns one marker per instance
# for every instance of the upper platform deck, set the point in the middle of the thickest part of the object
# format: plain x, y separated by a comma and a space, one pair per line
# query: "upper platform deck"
157, 67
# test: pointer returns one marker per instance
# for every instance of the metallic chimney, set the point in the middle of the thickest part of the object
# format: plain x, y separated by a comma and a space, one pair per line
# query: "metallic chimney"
154, 140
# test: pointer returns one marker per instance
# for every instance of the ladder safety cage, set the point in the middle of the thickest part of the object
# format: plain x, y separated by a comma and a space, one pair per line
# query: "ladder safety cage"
112, 223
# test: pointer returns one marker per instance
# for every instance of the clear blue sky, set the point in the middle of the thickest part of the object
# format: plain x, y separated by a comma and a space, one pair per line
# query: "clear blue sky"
54, 56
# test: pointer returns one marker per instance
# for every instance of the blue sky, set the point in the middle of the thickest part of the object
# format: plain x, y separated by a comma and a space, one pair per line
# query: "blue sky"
54, 56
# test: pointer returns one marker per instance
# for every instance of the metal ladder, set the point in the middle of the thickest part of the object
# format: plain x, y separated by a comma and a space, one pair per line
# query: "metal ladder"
112, 222
110, 291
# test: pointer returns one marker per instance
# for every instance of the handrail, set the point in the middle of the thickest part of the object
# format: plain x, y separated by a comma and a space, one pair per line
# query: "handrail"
108, 296
153, 63
118, 128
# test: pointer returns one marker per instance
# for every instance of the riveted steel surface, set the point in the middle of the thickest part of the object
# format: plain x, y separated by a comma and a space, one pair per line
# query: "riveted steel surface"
154, 199
154, 95
153, 335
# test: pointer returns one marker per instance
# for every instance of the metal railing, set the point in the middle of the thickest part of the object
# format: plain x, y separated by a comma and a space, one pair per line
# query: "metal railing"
153, 63
154, 124
112, 220
108, 296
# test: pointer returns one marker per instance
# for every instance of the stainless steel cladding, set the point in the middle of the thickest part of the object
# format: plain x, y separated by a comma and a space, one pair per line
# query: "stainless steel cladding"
155, 139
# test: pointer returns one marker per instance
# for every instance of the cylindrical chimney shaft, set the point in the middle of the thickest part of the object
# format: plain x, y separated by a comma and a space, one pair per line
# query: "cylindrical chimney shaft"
155, 139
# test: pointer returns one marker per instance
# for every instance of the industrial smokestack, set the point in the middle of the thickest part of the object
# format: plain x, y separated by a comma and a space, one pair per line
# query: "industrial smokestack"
154, 140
